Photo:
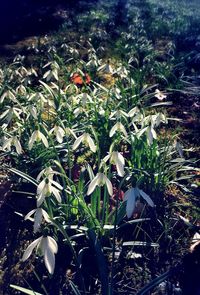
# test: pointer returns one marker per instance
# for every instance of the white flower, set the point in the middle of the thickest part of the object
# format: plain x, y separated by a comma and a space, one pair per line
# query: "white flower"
47, 187
48, 247
12, 141
130, 197
118, 127
160, 95
117, 159
47, 172
86, 139
118, 114
100, 180
133, 112
59, 133
37, 136
39, 213
8, 94
83, 98
151, 135
122, 71
69, 132
106, 68
53, 72
21, 90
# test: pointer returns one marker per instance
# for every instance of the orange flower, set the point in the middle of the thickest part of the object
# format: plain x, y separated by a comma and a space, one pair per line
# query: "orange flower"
78, 80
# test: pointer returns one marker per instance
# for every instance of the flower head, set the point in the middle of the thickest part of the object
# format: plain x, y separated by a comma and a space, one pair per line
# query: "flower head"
86, 139
59, 133
12, 141
117, 159
160, 95
39, 214
37, 136
47, 187
131, 196
118, 127
100, 180
48, 247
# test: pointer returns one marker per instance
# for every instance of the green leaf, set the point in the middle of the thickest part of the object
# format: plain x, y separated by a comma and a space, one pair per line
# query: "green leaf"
24, 175
74, 288
24, 290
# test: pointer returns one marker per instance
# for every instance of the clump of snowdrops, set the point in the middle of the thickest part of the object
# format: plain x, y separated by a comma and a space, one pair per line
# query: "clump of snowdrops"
93, 153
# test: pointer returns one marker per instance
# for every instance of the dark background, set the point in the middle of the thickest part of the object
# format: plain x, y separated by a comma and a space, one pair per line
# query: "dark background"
21, 18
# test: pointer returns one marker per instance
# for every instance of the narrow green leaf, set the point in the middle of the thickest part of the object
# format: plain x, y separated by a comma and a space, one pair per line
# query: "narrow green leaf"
24, 290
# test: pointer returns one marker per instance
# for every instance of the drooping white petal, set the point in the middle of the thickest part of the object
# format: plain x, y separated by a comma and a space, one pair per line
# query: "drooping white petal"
93, 184
41, 186
49, 260
40, 199
56, 193
91, 143
109, 186
105, 159
7, 144
113, 130
46, 216
120, 168
77, 142
123, 130
44, 139
52, 244
56, 184
131, 200
30, 248
146, 198
118, 160
32, 140
17, 145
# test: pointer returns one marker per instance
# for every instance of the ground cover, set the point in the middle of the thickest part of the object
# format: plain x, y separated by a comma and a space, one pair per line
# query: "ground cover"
99, 153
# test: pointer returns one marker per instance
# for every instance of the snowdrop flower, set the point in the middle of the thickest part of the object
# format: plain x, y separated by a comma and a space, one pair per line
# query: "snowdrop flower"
122, 71
93, 62
117, 159
47, 187
106, 68
133, 112
21, 90
53, 72
48, 247
12, 141
100, 180
150, 133
131, 196
118, 127
9, 113
32, 110
37, 136
86, 139
39, 214
59, 133
8, 94
83, 98
160, 95
69, 132
116, 92
118, 114
46, 172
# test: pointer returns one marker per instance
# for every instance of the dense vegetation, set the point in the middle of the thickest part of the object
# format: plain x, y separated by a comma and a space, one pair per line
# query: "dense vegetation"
97, 120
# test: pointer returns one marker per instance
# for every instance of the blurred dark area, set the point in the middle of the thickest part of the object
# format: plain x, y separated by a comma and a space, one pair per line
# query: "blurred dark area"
22, 18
